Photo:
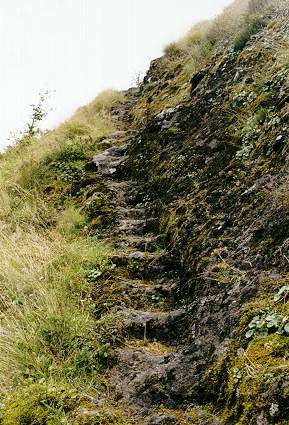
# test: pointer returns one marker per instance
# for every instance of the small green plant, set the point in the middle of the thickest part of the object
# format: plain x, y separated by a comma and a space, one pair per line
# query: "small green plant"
266, 323
261, 116
239, 99
249, 135
94, 275
158, 299
282, 294
237, 374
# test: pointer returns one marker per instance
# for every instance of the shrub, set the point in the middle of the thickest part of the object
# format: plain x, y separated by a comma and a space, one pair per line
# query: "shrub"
252, 26
173, 51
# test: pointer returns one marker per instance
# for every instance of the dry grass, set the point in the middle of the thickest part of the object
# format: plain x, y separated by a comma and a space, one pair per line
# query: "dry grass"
156, 348
195, 48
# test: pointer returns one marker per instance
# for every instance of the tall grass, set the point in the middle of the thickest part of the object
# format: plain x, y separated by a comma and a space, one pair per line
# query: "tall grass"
46, 323
48, 334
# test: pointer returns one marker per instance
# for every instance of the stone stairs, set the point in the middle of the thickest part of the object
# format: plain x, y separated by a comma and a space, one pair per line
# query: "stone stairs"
152, 368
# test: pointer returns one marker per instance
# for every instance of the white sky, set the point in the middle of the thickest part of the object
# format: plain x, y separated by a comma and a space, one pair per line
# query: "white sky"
80, 47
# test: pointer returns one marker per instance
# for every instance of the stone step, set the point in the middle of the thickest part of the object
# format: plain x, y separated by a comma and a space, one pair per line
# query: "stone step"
136, 226
117, 151
139, 294
119, 134
164, 326
107, 165
144, 259
131, 227
150, 375
143, 265
149, 292
125, 186
142, 243
133, 213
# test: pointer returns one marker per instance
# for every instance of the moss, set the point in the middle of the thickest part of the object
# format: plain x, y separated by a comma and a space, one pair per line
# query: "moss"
196, 415
243, 378
101, 416
39, 404
253, 376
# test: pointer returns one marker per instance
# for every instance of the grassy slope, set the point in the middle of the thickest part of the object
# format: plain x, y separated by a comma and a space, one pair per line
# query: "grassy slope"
52, 207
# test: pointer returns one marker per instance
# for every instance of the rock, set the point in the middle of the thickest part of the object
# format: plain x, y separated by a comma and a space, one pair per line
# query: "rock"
167, 118
237, 77
274, 409
197, 78
137, 255
262, 419
162, 419
279, 141
86, 413
257, 184
165, 326
88, 416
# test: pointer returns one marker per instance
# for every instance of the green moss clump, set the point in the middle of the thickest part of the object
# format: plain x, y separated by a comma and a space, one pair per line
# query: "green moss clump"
249, 380
39, 404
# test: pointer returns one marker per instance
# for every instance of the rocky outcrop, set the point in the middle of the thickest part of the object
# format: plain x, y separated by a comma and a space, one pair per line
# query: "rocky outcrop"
201, 232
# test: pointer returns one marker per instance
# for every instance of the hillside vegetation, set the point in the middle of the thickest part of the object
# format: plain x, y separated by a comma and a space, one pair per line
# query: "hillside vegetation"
50, 351
144, 242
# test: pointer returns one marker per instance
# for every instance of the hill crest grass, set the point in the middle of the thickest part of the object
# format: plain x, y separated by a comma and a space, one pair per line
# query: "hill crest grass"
204, 43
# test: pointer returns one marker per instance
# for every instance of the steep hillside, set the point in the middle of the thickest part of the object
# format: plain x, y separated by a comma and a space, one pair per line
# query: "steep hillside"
145, 242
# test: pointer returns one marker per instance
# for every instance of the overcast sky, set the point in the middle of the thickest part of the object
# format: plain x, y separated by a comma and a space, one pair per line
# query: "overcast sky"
80, 47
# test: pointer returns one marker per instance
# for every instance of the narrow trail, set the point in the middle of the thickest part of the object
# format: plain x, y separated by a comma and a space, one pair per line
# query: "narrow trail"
149, 370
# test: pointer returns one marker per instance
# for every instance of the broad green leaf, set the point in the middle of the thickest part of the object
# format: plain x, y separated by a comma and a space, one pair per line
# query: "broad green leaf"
263, 333
250, 333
